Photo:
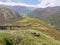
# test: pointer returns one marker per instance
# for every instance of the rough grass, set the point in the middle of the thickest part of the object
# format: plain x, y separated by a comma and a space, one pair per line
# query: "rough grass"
36, 24
26, 37
33, 32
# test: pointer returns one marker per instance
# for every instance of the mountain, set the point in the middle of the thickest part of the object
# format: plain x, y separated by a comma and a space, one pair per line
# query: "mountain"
51, 15
8, 15
48, 14
22, 9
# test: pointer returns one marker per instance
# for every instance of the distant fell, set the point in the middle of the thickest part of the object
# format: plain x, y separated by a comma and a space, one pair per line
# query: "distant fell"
8, 15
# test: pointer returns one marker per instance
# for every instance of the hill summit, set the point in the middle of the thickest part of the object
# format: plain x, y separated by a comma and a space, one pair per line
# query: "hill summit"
37, 24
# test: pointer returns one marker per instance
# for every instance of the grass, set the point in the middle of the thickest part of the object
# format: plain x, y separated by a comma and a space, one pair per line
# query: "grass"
26, 37
32, 32
36, 24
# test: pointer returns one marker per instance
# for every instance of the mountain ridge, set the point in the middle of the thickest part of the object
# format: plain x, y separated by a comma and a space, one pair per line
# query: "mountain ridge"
8, 15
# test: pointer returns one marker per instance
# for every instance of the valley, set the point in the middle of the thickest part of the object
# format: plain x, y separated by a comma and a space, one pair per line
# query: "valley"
18, 30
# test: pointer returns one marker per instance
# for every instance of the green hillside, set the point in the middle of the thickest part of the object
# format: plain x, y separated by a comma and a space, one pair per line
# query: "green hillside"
26, 37
36, 24
26, 31
31, 32
50, 15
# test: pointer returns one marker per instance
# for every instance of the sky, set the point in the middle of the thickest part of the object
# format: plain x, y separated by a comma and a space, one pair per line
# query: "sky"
32, 3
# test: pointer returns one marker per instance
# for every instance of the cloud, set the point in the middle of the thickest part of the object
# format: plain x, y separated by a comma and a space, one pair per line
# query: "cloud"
42, 4
48, 3
16, 4
9, 0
